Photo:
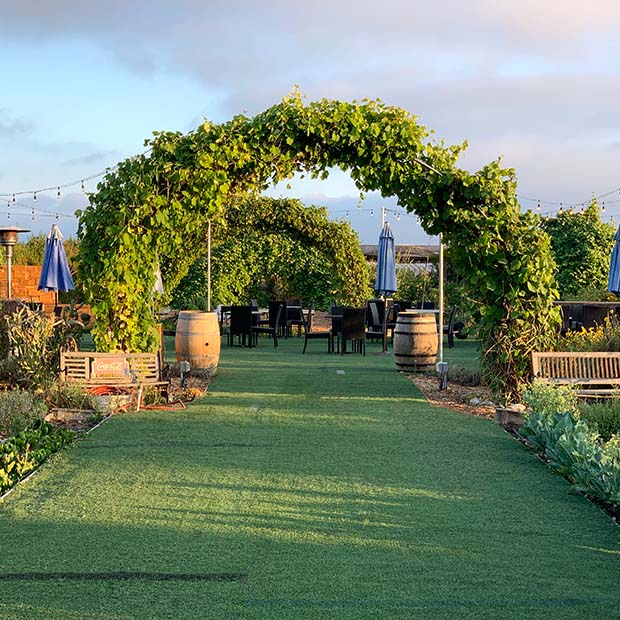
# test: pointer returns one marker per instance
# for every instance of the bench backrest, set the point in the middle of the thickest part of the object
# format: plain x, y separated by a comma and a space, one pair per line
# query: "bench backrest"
109, 368
576, 365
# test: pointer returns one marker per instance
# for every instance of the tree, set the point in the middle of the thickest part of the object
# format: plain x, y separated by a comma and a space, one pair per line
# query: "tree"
582, 245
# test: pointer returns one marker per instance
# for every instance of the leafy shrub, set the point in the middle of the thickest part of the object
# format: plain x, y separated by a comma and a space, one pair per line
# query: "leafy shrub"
24, 452
35, 342
548, 399
18, 409
69, 396
464, 376
604, 416
612, 448
420, 284
574, 450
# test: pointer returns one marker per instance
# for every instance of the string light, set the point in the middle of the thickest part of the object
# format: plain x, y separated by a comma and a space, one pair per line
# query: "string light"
602, 207
58, 194
372, 212
35, 196
538, 206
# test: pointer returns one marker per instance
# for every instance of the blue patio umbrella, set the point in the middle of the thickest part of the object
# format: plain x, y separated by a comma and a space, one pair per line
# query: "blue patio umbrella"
385, 283
55, 274
613, 284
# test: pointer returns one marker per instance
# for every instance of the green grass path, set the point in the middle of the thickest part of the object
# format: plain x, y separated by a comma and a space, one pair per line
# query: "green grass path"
303, 487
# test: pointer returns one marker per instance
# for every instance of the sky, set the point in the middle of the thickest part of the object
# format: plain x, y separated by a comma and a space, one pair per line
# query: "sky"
85, 83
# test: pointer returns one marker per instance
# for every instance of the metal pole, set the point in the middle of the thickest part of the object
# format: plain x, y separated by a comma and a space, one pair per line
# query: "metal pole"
9, 256
382, 217
209, 267
442, 367
440, 299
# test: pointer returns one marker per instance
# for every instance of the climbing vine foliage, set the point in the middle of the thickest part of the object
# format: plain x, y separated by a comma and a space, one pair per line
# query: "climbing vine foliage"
157, 205
267, 248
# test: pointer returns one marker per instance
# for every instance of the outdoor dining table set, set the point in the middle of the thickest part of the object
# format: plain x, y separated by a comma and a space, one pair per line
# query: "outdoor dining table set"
348, 331
247, 322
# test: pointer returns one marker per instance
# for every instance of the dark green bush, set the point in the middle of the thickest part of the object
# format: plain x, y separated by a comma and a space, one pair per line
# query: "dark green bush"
464, 376
605, 415
23, 453
18, 409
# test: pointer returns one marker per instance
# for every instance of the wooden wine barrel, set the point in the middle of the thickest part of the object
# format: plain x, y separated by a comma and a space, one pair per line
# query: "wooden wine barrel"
415, 341
197, 338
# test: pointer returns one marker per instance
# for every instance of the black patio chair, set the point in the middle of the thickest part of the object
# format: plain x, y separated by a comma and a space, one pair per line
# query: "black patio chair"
277, 320
335, 313
310, 334
294, 316
374, 318
271, 330
454, 328
403, 304
353, 328
241, 323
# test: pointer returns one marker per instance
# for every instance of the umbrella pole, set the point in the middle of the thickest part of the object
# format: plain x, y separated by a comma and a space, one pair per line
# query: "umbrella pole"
442, 367
209, 267
385, 313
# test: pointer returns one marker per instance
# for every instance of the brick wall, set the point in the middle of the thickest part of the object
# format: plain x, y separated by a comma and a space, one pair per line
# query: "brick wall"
24, 281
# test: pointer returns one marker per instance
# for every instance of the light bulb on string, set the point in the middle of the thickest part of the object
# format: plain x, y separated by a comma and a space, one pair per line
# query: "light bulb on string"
33, 215
602, 207
57, 216
538, 206
83, 186
13, 198
35, 197
371, 213
398, 217
58, 194
561, 209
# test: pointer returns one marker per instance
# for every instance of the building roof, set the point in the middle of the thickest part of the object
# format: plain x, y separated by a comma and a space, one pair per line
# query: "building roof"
406, 253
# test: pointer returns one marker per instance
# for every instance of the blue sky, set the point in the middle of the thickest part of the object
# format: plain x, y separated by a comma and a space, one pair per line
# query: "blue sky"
85, 83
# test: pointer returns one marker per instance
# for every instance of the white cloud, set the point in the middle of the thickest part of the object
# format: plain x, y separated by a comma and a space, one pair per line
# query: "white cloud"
536, 82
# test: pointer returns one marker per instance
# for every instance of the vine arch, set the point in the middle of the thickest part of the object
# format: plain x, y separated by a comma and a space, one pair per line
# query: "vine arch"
264, 228
158, 204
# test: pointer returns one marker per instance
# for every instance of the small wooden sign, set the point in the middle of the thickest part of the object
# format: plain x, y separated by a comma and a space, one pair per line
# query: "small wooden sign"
110, 367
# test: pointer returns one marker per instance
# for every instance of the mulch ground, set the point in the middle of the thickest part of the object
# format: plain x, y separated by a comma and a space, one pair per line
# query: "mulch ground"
457, 397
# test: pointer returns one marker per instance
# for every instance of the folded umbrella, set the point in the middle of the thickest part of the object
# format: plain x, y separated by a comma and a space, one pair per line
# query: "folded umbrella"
385, 283
613, 284
55, 273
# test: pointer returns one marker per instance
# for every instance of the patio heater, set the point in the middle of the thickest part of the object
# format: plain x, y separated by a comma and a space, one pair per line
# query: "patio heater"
8, 238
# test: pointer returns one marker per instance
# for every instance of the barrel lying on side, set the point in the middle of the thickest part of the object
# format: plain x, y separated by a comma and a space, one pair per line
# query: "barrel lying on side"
415, 341
197, 338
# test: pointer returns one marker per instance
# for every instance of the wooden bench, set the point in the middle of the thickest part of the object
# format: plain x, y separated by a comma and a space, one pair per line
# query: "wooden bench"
124, 370
597, 373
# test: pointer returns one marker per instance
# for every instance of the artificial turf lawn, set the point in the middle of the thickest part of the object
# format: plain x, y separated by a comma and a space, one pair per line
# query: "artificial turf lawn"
303, 486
